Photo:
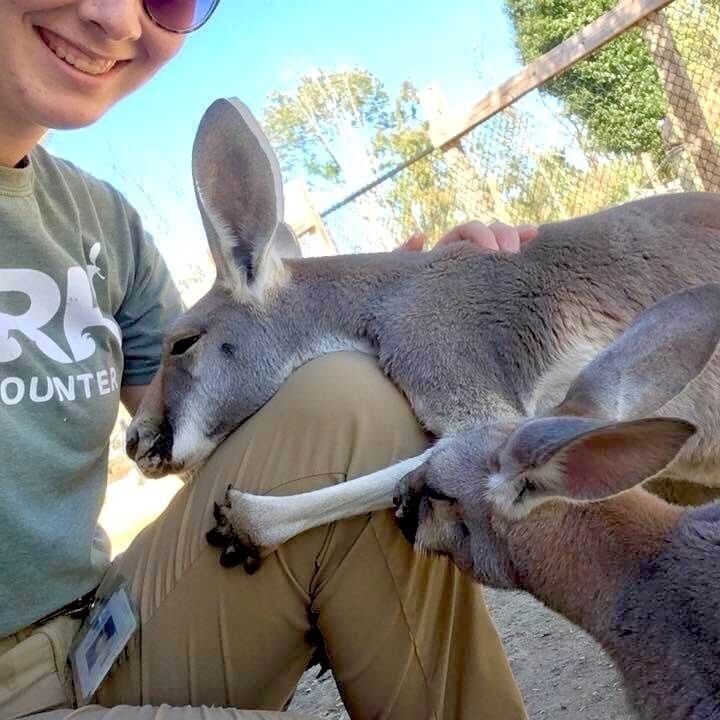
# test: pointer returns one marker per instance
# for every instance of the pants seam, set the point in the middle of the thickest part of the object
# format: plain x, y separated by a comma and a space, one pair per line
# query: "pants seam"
313, 593
407, 622
403, 614
343, 475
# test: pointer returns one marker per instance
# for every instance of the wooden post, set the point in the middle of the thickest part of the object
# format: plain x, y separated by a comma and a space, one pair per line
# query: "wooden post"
687, 116
303, 217
592, 37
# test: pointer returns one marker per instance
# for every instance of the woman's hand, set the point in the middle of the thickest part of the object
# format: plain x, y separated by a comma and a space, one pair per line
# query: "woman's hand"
497, 236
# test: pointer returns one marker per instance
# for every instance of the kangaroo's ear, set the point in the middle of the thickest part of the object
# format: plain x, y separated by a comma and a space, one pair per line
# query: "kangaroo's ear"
665, 348
582, 459
239, 191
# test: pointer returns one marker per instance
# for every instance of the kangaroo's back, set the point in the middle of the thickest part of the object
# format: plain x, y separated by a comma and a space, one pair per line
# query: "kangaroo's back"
480, 335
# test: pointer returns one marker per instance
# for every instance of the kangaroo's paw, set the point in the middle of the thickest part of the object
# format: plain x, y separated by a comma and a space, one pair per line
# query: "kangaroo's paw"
233, 532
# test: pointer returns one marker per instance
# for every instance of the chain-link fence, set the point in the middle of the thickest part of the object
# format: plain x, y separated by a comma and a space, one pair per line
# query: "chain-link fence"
638, 117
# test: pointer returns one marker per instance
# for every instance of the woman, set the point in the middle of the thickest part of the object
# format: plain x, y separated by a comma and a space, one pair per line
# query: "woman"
84, 299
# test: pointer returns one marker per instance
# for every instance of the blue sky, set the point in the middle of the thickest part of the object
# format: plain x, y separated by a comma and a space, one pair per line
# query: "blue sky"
250, 49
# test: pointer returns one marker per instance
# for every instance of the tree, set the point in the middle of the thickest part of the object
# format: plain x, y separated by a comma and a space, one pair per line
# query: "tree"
326, 121
616, 92
342, 129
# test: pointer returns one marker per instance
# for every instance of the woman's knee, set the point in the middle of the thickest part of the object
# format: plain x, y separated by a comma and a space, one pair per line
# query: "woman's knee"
344, 387
337, 414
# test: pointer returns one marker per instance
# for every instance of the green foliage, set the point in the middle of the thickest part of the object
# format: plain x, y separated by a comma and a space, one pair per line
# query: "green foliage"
540, 186
307, 125
616, 92
313, 127
496, 172
422, 197
555, 189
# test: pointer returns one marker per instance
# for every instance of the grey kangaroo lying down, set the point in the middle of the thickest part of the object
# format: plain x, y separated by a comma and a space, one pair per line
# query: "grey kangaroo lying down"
471, 338
468, 336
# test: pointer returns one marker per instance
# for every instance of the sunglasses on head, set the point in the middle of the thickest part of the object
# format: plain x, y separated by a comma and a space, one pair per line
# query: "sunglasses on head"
180, 16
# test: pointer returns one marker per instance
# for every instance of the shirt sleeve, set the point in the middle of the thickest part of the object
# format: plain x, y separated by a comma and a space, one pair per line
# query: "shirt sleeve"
151, 304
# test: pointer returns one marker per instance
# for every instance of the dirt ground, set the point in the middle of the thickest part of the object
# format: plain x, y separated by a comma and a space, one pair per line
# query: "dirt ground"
562, 673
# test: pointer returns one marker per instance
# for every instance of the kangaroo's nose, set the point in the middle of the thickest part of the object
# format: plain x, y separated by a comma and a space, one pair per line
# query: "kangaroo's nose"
149, 442
407, 513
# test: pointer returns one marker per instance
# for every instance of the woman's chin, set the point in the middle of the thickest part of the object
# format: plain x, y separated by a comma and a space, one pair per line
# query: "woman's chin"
63, 115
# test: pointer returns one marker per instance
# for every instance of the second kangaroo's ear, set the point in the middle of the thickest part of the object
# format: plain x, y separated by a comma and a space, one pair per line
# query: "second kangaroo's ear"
239, 191
582, 459
665, 348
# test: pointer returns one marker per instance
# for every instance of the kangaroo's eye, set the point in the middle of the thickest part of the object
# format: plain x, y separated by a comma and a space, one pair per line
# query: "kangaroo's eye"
528, 486
181, 346
437, 495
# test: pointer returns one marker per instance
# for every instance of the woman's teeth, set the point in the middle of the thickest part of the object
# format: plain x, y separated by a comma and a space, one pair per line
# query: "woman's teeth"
76, 57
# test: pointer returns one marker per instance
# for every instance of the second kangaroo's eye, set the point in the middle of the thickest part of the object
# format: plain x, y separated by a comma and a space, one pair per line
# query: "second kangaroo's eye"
181, 346
528, 486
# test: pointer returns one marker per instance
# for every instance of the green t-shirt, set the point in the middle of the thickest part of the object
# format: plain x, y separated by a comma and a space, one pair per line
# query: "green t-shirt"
84, 300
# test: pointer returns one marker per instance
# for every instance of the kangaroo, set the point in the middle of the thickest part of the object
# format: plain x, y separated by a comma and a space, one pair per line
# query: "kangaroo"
552, 506
469, 336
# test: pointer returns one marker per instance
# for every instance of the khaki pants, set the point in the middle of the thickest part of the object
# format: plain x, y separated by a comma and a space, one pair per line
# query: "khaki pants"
407, 637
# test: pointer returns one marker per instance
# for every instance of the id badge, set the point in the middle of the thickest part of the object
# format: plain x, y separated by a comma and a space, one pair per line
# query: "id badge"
100, 641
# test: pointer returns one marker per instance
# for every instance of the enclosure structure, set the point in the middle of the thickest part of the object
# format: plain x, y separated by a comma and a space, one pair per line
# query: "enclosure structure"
627, 106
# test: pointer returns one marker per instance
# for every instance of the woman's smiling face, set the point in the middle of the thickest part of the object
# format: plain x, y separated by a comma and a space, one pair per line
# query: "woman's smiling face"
65, 62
